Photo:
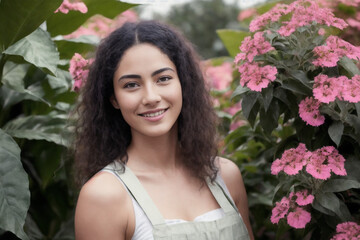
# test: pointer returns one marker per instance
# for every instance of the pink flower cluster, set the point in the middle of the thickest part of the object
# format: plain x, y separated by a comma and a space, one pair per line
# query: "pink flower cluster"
327, 89
67, 6
319, 163
101, 26
309, 112
304, 12
79, 70
292, 209
335, 48
250, 47
219, 77
347, 231
255, 76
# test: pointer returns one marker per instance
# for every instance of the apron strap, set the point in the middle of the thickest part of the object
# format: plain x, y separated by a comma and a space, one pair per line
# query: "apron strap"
138, 192
221, 197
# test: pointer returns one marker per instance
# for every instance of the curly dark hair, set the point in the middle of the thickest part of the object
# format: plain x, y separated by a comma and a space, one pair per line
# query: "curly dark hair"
102, 135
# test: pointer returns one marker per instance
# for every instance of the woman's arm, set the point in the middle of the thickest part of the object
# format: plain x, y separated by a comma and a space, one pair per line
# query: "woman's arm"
104, 210
234, 182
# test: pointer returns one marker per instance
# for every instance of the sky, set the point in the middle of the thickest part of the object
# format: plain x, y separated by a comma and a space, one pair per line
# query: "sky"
162, 6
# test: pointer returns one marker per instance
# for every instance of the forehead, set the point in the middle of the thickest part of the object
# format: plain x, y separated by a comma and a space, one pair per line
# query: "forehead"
143, 58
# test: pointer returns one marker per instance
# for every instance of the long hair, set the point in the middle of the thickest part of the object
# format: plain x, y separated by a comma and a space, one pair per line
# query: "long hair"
102, 135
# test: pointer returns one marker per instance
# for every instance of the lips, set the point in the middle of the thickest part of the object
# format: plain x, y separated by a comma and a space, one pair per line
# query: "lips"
153, 113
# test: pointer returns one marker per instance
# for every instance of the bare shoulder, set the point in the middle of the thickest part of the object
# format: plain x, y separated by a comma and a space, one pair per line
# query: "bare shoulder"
103, 209
231, 175
230, 172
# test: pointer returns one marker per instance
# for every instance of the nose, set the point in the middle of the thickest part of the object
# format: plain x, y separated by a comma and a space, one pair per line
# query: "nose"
151, 94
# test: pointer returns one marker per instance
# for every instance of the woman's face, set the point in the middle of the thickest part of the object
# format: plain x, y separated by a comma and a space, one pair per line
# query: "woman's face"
147, 90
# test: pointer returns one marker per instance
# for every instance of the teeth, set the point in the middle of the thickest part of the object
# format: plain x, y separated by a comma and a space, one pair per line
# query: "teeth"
154, 114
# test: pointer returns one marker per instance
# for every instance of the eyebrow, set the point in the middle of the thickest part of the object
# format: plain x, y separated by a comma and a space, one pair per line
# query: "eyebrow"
153, 74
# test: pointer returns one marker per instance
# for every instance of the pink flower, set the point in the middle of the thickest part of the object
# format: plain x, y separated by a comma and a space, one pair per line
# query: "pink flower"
309, 112
219, 77
273, 15
321, 31
246, 14
67, 6
299, 218
250, 47
280, 210
347, 230
292, 161
335, 48
256, 77
79, 70
326, 89
317, 166
335, 160
351, 90
101, 26
303, 198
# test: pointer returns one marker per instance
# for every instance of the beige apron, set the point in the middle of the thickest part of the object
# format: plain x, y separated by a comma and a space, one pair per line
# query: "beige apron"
229, 227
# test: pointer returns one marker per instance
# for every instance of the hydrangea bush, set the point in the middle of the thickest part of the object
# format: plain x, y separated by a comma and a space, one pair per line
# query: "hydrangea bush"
299, 88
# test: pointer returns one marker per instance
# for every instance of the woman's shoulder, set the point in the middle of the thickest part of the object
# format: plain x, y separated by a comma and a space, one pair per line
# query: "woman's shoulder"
103, 207
231, 175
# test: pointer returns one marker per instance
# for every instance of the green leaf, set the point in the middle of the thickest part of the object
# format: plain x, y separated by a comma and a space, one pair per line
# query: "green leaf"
330, 202
248, 102
297, 87
62, 24
335, 131
240, 90
269, 120
339, 185
349, 65
301, 76
13, 78
18, 18
82, 44
40, 127
267, 94
37, 49
14, 187
232, 39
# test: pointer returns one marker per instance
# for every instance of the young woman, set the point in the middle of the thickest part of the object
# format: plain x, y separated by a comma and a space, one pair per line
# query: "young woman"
146, 145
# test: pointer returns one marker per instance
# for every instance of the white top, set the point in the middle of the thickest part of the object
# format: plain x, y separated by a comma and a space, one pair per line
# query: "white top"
143, 226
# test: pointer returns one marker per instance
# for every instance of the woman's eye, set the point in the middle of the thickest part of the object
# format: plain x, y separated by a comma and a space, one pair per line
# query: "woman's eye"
131, 85
164, 78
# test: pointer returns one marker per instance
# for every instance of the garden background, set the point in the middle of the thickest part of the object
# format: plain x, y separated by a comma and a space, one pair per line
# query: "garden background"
285, 81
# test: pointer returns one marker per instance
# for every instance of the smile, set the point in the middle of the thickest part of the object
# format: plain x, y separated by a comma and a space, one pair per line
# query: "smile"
153, 114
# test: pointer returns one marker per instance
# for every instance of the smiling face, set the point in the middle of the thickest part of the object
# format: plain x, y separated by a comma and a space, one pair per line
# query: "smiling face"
147, 91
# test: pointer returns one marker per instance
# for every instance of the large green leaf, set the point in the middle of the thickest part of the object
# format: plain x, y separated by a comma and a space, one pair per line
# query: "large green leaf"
41, 127
335, 131
18, 18
14, 187
331, 203
82, 44
61, 24
232, 39
339, 185
37, 49
13, 78
349, 66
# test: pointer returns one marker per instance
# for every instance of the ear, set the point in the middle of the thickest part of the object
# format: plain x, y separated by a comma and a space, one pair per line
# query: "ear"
114, 102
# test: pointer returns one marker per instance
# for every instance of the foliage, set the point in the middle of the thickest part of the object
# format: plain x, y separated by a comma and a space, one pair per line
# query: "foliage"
199, 20
37, 195
288, 47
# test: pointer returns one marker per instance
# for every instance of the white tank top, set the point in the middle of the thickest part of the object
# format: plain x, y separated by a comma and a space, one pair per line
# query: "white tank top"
143, 226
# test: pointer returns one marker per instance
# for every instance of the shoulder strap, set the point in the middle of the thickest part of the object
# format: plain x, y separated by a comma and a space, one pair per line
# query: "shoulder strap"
138, 192
221, 197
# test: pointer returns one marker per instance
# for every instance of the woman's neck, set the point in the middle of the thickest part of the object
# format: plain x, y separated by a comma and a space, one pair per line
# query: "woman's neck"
154, 153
